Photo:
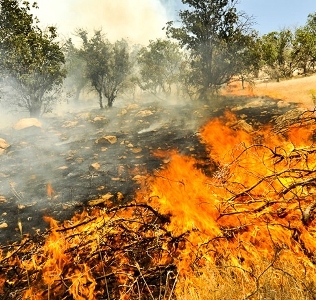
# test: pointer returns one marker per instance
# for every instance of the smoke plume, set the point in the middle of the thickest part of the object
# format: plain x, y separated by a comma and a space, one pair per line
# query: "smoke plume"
139, 21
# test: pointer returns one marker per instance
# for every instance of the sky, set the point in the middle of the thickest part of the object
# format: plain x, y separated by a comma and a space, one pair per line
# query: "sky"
142, 20
274, 15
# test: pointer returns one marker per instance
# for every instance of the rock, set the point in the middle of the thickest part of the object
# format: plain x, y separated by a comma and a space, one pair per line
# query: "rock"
94, 167
4, 144
26, 123
144, 113
3, 225
107, 139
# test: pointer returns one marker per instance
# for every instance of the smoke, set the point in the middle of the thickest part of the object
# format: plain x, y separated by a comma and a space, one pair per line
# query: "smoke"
138, 21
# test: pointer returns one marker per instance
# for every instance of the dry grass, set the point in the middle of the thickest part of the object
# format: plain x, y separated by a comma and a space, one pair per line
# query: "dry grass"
277, 281
298, 90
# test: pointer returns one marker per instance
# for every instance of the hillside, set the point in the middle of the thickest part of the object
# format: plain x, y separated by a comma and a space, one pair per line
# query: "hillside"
298, 90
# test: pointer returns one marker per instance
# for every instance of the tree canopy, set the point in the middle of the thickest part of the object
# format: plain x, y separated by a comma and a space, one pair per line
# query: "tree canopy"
215, 33
107, 65
30, 59
159, 66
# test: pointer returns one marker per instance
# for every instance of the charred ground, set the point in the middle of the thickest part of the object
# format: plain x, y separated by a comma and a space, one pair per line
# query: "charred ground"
57, 169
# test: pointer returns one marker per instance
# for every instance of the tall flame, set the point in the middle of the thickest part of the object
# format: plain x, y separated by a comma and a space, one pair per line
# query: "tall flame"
253, 207
254, 212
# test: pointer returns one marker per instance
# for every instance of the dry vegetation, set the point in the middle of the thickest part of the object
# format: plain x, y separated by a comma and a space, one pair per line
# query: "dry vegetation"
248, 231
299, 90
279, 277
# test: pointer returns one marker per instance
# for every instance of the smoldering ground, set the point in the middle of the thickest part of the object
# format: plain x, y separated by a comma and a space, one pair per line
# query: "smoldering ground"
79, 156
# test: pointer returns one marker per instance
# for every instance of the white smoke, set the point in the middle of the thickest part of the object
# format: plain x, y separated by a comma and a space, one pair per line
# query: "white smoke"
135, 20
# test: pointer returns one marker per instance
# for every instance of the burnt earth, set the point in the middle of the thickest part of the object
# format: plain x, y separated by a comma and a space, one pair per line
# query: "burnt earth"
62, 154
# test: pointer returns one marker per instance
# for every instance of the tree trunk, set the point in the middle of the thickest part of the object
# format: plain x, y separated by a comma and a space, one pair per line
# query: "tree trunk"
110, 102
35, 108
100, 99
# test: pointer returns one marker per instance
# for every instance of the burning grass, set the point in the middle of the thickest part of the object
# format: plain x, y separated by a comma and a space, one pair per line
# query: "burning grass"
245, 232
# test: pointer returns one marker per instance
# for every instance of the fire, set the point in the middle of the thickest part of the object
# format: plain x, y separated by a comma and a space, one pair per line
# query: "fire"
254, 215
254, 206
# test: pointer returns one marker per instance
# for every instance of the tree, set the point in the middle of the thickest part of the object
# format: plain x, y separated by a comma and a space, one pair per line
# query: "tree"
118, 70
75, 65
305, 44
159, 66
215, 34
31, 60
96, 53
107, 65
250, 61
277, 53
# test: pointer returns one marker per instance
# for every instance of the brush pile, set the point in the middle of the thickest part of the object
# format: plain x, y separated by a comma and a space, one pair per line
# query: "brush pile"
249, 219
112, 253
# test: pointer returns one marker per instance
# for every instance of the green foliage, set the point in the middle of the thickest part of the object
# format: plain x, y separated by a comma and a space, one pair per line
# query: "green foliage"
75, 65
118, 70
216, 35
159, 66
30, 60
277, 53
305, 44
107, 65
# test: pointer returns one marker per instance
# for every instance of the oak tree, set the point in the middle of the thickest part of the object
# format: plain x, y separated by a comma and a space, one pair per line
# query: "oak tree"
277, 53
107, 65
159, 66
305, 44
215, 33
31, 61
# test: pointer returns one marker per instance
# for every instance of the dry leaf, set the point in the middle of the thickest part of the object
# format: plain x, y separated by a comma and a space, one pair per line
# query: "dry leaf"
144, 113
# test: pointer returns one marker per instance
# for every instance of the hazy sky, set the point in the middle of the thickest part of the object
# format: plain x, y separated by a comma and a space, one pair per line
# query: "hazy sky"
141, 20
137, 20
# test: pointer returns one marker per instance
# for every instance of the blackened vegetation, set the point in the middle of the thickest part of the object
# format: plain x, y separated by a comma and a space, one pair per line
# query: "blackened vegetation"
62, 152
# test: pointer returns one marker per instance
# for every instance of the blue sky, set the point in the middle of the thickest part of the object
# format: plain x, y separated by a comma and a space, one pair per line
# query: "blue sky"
272, 15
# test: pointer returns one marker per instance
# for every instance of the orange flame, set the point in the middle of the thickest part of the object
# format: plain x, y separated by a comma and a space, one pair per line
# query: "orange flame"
251, 205
257, 205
